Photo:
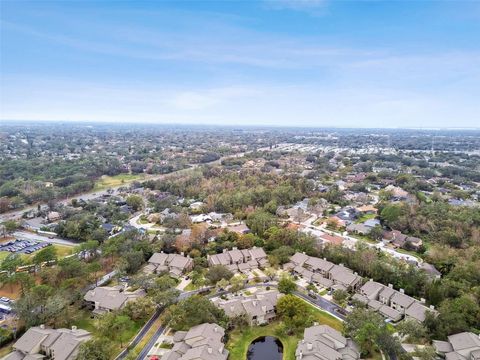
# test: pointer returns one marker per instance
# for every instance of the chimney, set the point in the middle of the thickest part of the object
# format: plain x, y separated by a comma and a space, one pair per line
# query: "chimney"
422, 300
182, 253
390, 286
402, 291
225, 250
232, 308
210, 350
303, 252
264, 308
432, 307
303, 341
74, 328
161, 252
215, 329
42, 326
234, 248
255, 303
309, 346
370, 279
325, 258
300, 355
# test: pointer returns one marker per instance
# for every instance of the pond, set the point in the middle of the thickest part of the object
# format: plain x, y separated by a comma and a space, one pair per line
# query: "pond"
265, 348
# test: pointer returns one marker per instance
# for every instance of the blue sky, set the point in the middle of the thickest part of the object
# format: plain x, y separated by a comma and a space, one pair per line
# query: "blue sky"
273, 62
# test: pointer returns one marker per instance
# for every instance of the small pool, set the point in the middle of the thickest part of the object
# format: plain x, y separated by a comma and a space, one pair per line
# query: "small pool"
265, 348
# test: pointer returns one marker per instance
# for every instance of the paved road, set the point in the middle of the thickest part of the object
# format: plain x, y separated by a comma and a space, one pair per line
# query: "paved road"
350, 242
25, 235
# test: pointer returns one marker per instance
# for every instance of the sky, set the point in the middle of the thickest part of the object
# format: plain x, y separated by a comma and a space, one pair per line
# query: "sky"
315, 63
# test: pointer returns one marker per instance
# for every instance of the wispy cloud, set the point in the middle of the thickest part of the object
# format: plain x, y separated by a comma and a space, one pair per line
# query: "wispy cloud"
312, 7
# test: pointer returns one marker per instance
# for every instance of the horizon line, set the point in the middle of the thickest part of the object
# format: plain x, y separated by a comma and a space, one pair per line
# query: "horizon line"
276, 126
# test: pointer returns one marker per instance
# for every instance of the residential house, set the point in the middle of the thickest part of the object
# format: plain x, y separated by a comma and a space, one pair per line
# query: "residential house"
392, 304
321, 342
239, 229
366, 209
323, 272
174, 264
242, 261
461, 346
371, 223
104, 299
40, 342
430, 270
395, 237
201, 342
331, 239
259, 308
360, 229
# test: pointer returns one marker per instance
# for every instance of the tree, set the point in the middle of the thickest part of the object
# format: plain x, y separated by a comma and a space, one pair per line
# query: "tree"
425, 353
166, 297
270, 273
11, 263
132, 261
10, 226
340, 297
369, 330
140, 309
218, 272
411, 330
113, 326
193, 311
294, 313
93, 269
95, 349
376, 233
41, 305
286, 285
237, 283
135, 201
45, 255
259, 221
222, 284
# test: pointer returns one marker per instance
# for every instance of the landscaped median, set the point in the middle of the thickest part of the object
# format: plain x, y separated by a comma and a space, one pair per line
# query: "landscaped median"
240, 339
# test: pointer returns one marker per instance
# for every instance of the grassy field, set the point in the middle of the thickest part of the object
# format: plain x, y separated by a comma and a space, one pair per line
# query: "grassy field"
240, 339
106, 182
62, 251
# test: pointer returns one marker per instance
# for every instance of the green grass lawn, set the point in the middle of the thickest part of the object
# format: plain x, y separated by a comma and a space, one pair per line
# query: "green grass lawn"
364, 218
62, 251
240, 339
106, 182
3, 255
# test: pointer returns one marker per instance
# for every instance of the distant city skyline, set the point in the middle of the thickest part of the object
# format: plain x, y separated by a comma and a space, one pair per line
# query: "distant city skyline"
302, 63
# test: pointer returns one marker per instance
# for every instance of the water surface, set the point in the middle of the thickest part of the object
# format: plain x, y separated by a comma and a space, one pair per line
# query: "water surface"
265, 348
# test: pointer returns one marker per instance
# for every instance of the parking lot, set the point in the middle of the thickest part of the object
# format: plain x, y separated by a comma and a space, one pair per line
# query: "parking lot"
23, 246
